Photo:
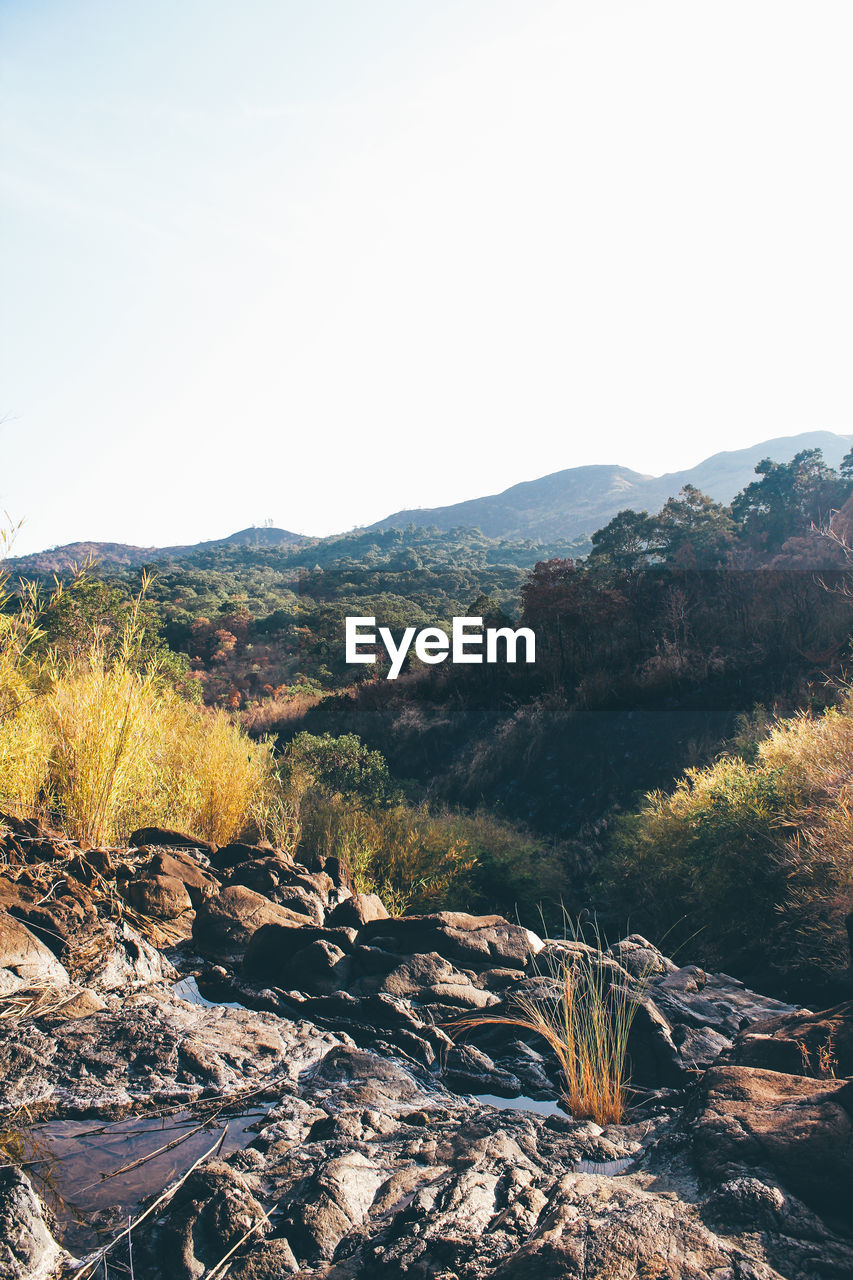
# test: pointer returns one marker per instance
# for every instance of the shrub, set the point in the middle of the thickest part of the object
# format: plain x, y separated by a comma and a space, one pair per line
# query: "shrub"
585, 1016
752, 856
100, 744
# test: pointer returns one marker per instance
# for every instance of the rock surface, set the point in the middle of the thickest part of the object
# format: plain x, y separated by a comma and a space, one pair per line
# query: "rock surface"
380, 1148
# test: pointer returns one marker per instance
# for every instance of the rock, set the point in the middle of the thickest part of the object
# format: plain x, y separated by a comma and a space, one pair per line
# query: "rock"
430, 979
269, 1260
600, 1227
224, 925
127, 961
270, 955
798, 1131
199, 884
26, 956
27, 1249
819, 1045
159, 895
207, 1216
82, 1004
65, 921
319, 968
474, 940
165, 838
361, 908
152, 1049
231, 855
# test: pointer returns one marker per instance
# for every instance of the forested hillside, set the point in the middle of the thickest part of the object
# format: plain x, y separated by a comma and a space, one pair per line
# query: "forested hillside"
677, 634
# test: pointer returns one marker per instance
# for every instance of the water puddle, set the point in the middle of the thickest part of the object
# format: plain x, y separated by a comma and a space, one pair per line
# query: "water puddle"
604, 1168
540, 1106
74, 1166
187, 989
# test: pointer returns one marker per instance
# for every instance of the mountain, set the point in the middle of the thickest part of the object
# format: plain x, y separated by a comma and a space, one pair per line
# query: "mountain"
61, 559
575, 502
562, 507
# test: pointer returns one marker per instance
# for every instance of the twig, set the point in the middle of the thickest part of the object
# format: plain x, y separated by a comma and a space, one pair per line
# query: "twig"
208, 1275
93, 1260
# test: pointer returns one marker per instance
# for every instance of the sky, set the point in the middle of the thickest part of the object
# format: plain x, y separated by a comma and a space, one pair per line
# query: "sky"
318, 261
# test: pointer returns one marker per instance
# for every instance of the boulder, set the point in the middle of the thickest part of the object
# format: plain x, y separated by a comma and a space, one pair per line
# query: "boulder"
199, 883
224, 925
359, 909
165, 838
125, 960
796, 1130
231, 855
481, 941
205, 1218
271, 953
159, 895
27, 1249
819, 1045
26, 956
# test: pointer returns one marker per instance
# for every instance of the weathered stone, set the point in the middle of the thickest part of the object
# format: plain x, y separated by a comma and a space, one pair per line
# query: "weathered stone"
231, 855
224, 925
474, 940
809, 1044
159, 895
166, 838
126, 961
270, 955
26, 956
359, 909
207, 1216
798, 1131
27, 1249
198, 882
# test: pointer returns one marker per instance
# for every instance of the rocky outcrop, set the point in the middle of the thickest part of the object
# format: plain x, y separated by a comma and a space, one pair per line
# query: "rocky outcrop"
24, 959
796, 1131
225, 924
376, 1149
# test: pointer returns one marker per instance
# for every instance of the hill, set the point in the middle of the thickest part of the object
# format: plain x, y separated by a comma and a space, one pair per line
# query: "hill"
575, 502
119, 555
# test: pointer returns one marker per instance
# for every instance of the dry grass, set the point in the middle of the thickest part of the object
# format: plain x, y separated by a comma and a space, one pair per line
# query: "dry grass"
99, 744
585, 1018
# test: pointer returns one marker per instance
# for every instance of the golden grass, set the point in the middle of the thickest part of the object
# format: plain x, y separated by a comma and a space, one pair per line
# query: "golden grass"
99, 743
586, 1020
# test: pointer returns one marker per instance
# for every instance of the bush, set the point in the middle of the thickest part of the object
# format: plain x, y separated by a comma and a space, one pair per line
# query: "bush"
751, 858
100, 742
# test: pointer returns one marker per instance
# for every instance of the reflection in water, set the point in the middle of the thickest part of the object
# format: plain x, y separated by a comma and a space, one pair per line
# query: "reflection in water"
73, 1166
541, 1106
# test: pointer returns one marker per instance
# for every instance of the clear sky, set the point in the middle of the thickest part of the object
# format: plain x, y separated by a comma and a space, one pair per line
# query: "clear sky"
320, 260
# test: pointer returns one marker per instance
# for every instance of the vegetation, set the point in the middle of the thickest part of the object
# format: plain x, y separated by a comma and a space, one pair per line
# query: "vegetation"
492, 787
99, 741
585, 1016
753, 854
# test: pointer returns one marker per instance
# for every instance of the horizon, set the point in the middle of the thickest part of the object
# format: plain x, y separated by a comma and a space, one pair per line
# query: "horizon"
13, 552
318, 266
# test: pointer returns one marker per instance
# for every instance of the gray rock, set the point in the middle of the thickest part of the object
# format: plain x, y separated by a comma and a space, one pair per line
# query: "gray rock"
27, 1249
26, 957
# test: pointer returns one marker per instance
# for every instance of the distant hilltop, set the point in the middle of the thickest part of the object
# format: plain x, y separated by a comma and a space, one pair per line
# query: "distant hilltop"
564, 506
61, 559
575, 502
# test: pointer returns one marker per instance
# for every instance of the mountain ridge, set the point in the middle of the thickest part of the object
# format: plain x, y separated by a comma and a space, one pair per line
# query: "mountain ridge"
563, 505
583, 507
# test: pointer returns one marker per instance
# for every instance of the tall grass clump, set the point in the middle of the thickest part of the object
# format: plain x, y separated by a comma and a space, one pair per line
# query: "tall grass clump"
752, 858
583, 1006
99, 741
